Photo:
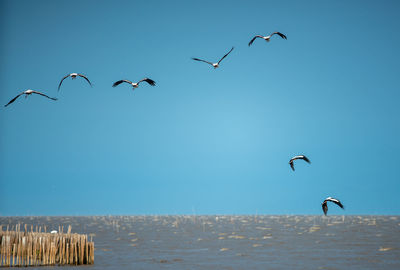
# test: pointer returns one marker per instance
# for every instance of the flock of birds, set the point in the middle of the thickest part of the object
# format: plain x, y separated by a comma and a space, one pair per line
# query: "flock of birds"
73, 76
153, 83
329, 199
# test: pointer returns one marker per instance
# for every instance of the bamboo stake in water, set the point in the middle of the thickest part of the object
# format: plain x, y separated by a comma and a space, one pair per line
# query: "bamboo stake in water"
24, 248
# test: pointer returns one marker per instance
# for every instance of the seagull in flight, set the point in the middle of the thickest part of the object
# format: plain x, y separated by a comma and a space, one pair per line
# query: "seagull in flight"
298, 157
330, 199
267, 38
135, 85
27, 93
215, 65
73, 76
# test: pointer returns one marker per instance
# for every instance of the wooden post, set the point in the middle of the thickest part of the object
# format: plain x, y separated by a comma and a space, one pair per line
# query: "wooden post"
35, 248
67, 251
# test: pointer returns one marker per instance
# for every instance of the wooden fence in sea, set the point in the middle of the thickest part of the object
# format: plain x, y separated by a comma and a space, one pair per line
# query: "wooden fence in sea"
37, 248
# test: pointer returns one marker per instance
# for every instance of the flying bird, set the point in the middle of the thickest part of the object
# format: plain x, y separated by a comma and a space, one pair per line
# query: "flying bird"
73, 76
215, 65
267, 38
135, 85
298, 157
27, 93
330, 199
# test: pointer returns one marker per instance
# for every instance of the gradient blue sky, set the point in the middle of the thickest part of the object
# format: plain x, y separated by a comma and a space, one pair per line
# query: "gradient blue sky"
202, 141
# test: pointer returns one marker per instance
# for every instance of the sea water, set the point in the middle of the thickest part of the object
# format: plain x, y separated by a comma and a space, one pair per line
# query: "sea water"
233, 242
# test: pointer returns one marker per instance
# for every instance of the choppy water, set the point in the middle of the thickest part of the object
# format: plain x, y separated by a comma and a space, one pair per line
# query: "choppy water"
235, 242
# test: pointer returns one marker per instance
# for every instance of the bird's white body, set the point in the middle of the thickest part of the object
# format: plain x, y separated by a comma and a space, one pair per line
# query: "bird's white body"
135, 85
215, 65
73, 75
28, 92
331, 199
54, 231
267, 38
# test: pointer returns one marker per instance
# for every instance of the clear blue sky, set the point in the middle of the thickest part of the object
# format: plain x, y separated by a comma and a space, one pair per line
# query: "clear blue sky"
202, 141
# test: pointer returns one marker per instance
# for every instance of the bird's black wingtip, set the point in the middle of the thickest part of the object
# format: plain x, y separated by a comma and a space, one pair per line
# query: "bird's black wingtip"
306, 159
